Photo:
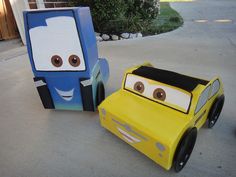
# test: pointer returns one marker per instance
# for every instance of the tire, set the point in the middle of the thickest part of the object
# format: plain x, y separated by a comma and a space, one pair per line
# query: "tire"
215, 111
100, 93
184, 149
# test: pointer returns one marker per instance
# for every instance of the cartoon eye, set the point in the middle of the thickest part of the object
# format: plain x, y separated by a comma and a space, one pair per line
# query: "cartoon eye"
159, 94
56, 61
139, 87
74, 60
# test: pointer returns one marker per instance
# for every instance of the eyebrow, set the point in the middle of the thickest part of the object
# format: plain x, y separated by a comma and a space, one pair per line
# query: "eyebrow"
184, 82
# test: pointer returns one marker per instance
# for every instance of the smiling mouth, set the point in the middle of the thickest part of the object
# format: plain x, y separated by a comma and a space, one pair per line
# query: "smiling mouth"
128, 137
66, 95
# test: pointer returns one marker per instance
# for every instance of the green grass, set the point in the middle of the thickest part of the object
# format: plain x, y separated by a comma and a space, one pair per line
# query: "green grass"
168, 20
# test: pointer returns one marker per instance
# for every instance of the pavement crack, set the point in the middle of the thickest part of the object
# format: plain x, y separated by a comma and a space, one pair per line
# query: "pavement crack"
13, 56
231, 42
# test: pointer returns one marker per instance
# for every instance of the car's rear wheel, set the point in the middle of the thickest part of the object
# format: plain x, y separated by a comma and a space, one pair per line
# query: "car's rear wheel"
185, 149
100, 93
215, 111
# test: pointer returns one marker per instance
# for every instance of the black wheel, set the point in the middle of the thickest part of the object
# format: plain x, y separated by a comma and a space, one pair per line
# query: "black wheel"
185, 149
100, 93
215, 111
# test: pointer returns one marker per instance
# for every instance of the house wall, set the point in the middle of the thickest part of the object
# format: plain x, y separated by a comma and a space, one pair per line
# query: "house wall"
34, 4
18, 6
8, 27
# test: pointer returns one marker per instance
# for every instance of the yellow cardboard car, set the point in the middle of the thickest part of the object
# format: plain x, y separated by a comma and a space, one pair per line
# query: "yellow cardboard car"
158, 112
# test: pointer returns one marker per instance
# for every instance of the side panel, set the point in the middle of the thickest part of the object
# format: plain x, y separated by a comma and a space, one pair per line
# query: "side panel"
201, 117
87, 35
104, 70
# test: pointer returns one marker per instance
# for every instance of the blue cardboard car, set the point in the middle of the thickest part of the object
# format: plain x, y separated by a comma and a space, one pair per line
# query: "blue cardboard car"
63, 54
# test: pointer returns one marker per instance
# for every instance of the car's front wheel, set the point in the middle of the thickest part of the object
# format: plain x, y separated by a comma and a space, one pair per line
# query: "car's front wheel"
184, 149
215, 111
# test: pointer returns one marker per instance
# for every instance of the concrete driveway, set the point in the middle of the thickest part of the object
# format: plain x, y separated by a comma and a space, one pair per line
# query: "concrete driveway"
36, 143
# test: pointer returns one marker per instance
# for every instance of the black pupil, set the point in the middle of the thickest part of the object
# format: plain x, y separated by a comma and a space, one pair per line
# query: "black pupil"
159, 94
74, 60
57, 60
139, 87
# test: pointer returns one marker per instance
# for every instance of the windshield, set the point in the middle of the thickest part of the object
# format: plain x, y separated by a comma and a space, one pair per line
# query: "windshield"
55, 44
158, 92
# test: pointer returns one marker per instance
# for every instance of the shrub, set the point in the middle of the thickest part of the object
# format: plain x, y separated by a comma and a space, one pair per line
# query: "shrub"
146, 10
117, 16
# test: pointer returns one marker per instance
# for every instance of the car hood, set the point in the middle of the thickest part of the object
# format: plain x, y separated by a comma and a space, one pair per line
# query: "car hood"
157, 120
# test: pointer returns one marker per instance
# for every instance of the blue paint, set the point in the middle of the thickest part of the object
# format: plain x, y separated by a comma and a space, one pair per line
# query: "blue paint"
37, 19
97, 69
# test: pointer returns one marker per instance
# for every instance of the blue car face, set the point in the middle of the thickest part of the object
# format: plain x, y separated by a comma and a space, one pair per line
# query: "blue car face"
56, 44
62, 57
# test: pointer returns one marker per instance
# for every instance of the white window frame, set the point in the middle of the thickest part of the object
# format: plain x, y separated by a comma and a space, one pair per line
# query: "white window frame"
40, 4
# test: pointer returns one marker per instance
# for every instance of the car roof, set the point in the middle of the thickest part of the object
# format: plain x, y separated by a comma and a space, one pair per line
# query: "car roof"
169, 77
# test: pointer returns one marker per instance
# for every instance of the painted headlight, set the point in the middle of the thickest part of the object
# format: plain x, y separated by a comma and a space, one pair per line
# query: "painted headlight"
160, 146
103, 111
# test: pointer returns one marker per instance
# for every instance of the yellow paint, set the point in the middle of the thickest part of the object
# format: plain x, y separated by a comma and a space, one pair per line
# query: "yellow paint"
152, 128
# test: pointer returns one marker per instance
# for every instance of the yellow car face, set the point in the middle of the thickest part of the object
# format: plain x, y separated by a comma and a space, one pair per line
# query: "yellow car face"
156, 91
155, 112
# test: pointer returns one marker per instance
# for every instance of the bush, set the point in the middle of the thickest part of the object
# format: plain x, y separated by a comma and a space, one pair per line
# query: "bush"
147, 10
117, 16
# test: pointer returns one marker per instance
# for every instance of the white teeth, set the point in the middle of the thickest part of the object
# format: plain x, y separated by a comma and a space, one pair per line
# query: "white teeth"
66, 95
128, 137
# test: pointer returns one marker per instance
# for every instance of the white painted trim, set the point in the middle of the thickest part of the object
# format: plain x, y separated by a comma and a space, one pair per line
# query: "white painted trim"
87, 82
18, 6
39, 83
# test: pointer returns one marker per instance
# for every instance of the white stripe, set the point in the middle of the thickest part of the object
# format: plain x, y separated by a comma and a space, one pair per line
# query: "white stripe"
87, 82
130, 141
39, 83
130, 138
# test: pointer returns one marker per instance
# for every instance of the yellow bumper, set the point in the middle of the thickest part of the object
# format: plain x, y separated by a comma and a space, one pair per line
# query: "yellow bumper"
142, 125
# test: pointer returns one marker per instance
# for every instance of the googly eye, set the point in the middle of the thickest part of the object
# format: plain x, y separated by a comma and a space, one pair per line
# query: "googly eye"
74, 60
56, 61
159, 94
139, 87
